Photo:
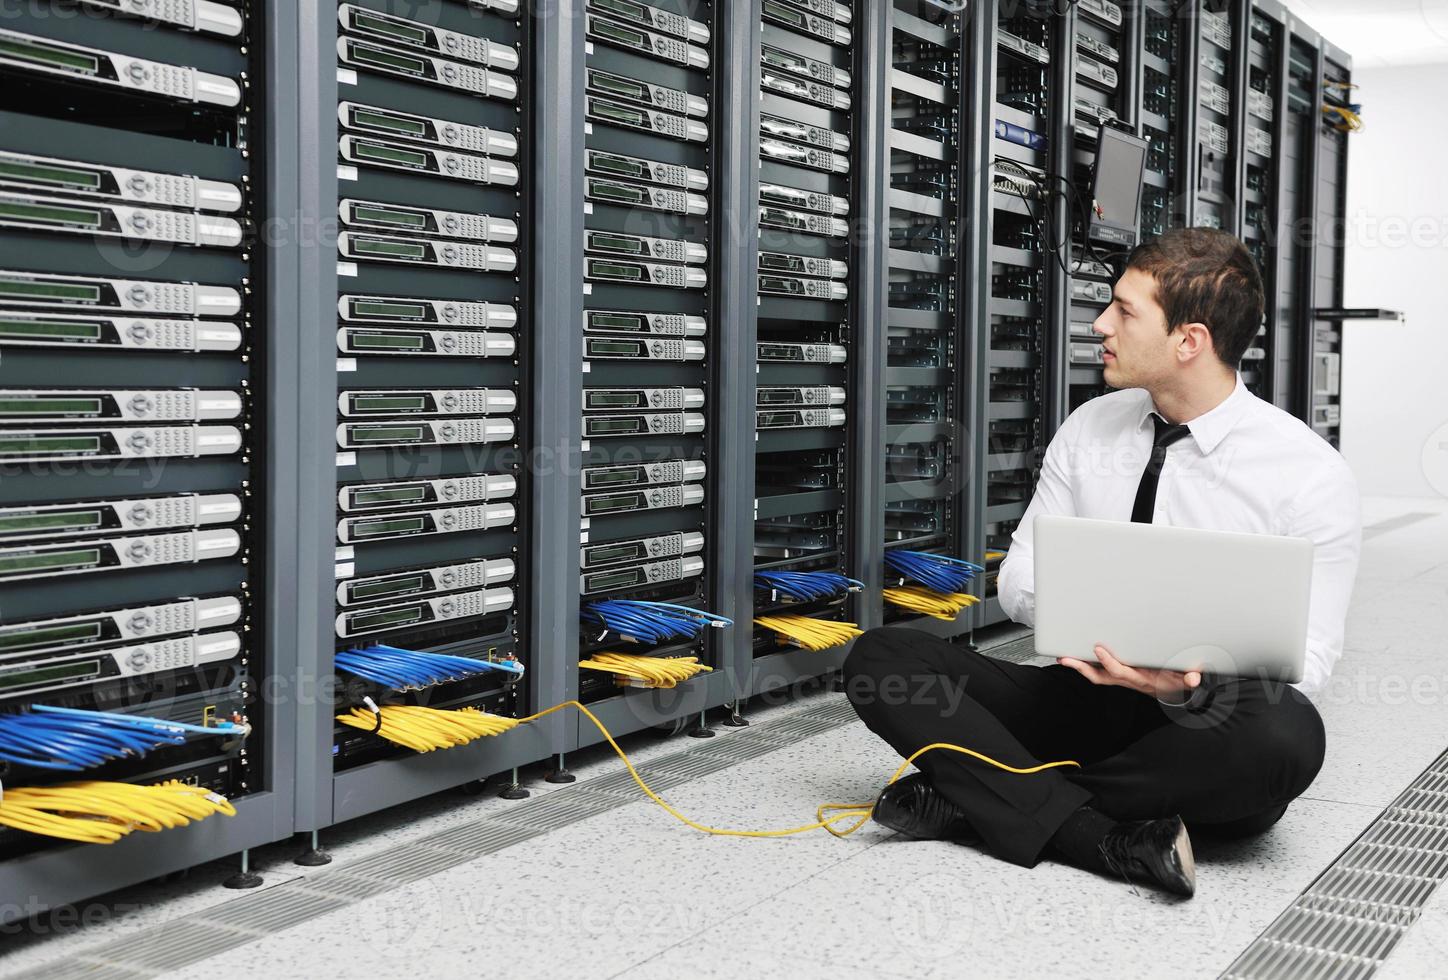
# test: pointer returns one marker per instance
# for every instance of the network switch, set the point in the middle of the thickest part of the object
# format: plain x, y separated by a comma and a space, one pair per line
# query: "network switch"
392, 525
427, 221
644, 247
352, 403
63, 59
137, 660
394, 123
446, 432
51, 445
119, 333
408, 583
628, 475
371, 152
402, 342
84, 217
660, 324
424, 612
423, 312
440, 72
805, 67
27, 172
633, 501
637, 168
646, 348
652, 548
89, 555
645, 273
81, 631
419, 251
32, 522
366, 497
49, 290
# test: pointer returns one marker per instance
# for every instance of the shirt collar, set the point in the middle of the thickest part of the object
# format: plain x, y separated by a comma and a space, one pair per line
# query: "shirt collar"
1209, 428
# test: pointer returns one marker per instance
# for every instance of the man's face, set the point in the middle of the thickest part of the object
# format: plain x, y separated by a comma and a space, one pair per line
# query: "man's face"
1139, 352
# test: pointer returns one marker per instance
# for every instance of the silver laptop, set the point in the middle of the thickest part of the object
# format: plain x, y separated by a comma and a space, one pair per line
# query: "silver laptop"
1173, 597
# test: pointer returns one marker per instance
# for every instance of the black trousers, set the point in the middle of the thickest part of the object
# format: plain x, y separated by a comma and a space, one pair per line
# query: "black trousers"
1229, 768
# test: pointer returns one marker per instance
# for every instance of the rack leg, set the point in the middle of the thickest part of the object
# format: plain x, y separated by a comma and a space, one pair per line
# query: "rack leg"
245, 878
314, 856
513, 791
560, 773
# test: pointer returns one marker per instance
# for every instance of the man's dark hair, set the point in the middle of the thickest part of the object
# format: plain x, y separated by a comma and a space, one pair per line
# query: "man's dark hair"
1204, 275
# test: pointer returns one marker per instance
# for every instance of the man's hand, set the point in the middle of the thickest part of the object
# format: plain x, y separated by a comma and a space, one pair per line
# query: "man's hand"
1164, 685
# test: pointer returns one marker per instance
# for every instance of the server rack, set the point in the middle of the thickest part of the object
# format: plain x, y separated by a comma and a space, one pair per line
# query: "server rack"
1103, 87
1020, 362
930, 232
822, 80
1165, 76
1267, 187
1323, 270
654, 343
141, 427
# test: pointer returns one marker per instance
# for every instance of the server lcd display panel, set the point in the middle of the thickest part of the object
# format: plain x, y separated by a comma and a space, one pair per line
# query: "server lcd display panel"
1116, 185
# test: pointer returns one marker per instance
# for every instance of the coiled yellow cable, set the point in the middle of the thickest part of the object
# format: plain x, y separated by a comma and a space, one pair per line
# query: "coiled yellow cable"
941, 605
994, 555
812, 634
861, 812
97, 812
647, 671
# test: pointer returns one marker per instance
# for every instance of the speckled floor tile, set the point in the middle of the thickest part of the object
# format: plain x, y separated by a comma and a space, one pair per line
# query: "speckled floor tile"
931, 909
717, 957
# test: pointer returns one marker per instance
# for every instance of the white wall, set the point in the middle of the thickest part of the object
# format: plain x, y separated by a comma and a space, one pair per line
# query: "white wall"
1395, 375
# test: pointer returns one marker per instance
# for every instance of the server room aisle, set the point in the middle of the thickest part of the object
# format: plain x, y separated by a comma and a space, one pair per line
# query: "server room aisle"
593, 880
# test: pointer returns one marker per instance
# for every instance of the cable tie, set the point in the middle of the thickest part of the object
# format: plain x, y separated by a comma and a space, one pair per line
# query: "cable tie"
367, 700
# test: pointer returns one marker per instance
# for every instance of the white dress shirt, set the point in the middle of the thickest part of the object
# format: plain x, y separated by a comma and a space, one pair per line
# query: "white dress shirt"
1247, 466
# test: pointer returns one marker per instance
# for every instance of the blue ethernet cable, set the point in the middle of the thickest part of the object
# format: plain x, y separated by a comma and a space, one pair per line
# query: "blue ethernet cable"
638, 621
71, 739
942, 573
805, 586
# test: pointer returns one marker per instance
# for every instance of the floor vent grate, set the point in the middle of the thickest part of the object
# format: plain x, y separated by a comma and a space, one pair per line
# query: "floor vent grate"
1349, 919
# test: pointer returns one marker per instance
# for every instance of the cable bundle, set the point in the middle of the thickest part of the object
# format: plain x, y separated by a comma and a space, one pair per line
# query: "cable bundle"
805, 586
424, 729
637, 671
410, 670
97, 812
940, 573
636, 621
994, 555
812, 634
1344, 119
68, 739
941, 605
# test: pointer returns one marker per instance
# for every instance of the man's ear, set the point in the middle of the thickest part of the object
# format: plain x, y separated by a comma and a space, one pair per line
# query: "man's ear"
1196, 340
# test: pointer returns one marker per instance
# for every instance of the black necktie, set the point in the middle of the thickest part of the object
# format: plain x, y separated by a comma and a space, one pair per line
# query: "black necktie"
1166, 434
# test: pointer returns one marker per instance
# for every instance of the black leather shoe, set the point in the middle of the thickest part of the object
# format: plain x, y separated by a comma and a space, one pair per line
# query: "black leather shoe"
1157, 852
915, 808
